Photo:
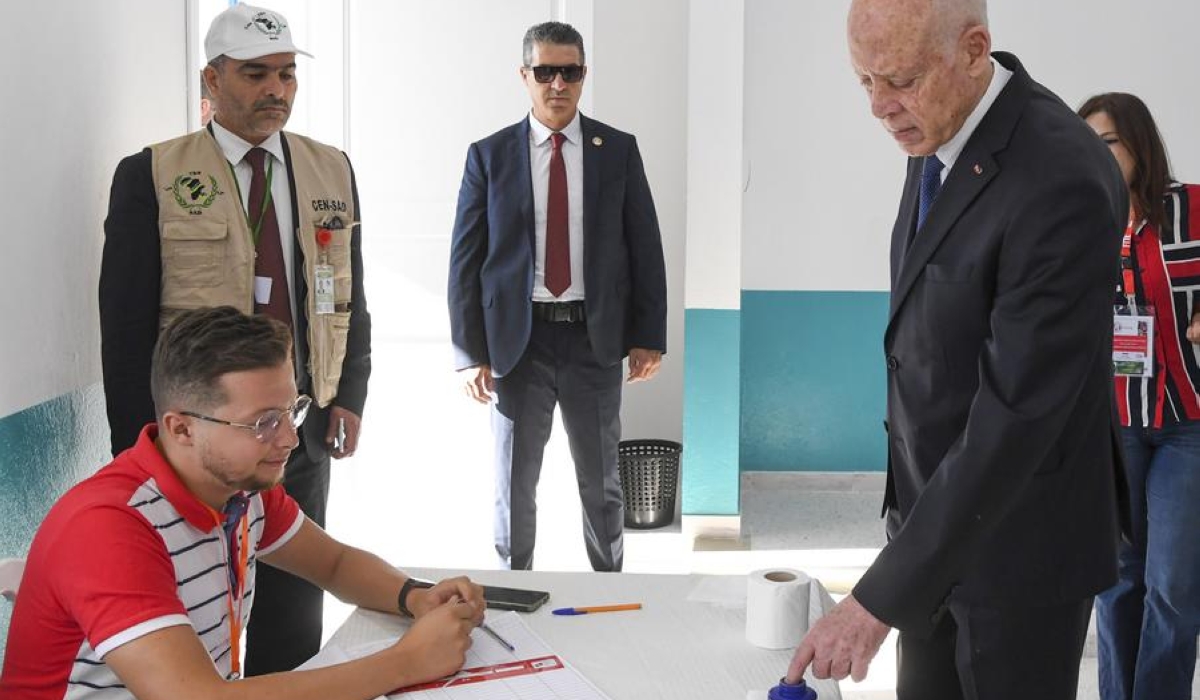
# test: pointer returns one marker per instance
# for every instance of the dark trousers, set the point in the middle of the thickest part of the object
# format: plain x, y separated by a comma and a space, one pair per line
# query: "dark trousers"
989, 653
285, 623
558, 368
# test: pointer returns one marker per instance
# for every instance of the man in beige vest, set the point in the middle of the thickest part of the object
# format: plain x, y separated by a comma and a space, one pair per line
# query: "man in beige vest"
241, 214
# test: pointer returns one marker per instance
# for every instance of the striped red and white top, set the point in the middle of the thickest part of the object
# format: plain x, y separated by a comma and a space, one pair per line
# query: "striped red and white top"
124, 553
1167, 266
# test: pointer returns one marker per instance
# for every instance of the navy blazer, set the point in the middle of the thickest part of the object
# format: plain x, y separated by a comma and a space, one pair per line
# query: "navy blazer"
1003, 473
492, 251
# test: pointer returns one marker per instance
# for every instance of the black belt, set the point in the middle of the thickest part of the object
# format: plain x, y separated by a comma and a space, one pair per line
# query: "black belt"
559, 311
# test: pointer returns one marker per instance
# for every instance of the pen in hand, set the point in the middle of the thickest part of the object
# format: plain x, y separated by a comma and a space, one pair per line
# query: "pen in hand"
492, 633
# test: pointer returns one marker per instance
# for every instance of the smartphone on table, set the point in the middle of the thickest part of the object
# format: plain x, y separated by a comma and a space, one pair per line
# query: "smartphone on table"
519, 599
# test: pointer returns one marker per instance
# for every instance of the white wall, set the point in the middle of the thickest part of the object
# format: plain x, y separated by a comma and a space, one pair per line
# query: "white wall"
715, 168
824, 178
84, 84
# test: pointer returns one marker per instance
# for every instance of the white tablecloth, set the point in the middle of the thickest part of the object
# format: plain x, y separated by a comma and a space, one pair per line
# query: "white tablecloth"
687, 642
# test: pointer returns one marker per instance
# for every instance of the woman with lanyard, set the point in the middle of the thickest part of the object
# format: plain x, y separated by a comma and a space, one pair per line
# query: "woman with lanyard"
1147, 624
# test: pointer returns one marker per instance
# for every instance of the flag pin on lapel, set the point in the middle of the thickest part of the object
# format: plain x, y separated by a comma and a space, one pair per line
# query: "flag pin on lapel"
597, 141
978, 169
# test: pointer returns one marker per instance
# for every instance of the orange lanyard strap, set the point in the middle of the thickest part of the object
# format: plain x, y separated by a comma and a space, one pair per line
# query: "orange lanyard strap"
1127, 277
237, 585
1127, 268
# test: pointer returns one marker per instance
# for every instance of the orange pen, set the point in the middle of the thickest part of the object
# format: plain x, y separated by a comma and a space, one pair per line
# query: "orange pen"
598, 609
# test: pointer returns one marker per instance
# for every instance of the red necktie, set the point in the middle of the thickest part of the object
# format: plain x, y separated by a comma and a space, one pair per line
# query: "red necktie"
558, 240
268, 251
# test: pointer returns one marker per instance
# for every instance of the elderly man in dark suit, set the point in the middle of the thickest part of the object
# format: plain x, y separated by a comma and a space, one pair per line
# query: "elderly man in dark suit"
556, 274
1003, 480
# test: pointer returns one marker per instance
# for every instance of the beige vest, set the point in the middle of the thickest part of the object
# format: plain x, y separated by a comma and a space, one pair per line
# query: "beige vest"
208, 251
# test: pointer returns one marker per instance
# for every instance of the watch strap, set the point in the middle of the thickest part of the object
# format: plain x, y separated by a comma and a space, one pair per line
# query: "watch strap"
402, 599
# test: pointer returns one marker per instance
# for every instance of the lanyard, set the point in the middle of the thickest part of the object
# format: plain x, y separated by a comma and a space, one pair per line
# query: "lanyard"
256, 226
1127, 281
237, 582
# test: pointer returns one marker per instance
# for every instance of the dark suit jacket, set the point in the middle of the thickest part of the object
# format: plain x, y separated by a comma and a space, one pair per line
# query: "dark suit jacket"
491, 256
1003, 473
130, 292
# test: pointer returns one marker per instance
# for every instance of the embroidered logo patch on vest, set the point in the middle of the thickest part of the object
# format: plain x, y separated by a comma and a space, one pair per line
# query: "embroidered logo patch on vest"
193, 193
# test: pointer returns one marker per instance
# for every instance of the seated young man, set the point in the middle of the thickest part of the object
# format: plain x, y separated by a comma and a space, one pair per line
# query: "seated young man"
141, 578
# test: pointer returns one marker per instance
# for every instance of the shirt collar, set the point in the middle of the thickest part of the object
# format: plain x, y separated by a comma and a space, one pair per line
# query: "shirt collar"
235, 147
539, 132
146, 454
950, 150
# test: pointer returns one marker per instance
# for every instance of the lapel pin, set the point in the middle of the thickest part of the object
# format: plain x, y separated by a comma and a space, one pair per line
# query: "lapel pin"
978, 169
597, 141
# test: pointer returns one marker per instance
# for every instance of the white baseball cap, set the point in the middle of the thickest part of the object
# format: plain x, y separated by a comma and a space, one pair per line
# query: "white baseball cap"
243, 32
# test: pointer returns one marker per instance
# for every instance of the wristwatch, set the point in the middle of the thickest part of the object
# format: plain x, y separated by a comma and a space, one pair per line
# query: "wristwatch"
402, 599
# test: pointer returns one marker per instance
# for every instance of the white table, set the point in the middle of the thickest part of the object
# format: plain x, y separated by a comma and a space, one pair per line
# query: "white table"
671, 649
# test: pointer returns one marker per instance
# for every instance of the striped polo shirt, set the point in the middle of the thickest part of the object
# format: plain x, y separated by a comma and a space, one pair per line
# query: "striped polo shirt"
124, 553
1167, 266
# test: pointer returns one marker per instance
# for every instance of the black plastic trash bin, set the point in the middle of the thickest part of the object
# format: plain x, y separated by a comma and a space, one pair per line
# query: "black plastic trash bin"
649, 475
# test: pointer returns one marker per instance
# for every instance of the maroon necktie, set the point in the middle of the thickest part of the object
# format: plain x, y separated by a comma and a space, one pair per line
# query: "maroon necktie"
268, 251
558, 240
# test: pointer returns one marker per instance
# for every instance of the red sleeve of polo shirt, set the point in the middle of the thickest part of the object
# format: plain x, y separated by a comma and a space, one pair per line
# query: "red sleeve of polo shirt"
113, 573
283, 517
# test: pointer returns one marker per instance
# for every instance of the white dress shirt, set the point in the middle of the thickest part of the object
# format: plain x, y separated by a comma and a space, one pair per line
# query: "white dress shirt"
950, 150
540, 150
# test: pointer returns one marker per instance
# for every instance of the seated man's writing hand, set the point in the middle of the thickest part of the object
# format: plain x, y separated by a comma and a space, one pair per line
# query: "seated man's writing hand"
436, 645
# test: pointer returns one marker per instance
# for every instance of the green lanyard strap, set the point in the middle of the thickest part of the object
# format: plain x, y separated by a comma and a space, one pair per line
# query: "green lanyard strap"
256, 226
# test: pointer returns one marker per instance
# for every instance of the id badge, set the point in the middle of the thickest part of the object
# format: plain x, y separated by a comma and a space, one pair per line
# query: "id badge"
323, 288
262, 290
1133, 341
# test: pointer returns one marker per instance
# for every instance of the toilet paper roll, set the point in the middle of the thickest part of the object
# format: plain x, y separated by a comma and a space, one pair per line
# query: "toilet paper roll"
777, 608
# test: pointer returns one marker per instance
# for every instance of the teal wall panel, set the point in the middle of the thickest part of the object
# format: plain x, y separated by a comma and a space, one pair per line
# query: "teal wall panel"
813, 381
711, 389
44, 450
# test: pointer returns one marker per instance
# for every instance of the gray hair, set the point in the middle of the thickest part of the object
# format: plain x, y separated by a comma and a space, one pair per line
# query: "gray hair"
559, 33
952, 17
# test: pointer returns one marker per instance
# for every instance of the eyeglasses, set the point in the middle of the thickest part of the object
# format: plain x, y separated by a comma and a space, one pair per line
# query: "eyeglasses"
267, 425
570, 74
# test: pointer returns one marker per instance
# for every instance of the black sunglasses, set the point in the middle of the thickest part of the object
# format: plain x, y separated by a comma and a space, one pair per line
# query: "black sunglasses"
545, 74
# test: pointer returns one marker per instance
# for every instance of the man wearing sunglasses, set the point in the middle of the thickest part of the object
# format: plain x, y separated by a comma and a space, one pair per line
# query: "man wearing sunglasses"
141, 578
242, 213
556, 274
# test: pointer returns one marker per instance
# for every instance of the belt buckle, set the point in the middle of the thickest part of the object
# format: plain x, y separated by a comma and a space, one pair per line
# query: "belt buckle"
559, 311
